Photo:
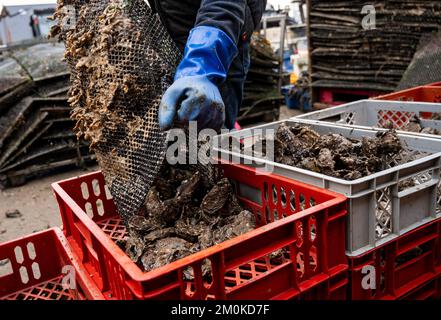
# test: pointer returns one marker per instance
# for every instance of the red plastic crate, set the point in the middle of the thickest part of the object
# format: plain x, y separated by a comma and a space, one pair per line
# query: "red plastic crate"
335, 97
333, 288
241, 267
31, 268
418, 94
435, 84
401, 265
430, 290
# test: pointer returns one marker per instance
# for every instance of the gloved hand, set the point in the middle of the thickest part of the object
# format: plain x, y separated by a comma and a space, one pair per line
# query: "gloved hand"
194, 96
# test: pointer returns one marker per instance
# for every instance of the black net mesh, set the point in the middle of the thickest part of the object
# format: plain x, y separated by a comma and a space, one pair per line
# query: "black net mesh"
426, 64
122, 60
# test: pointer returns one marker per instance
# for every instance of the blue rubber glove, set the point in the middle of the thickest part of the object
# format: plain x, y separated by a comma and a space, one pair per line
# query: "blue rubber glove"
194, 96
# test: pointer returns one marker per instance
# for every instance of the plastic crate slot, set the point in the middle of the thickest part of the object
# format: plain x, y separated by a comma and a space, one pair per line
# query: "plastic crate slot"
347, 118
299, 233
96, 187
100, 207
302, 201
275, 199
258, 216
36, 270
384, 213
292, 200
84, 190
267, 215
19, 255
313, 259
23, 274
246, 275
189, 273
6, 268
89, 210
312, 202
300, 263
312, 228
438, 198
32, 254
283, 197
208, 280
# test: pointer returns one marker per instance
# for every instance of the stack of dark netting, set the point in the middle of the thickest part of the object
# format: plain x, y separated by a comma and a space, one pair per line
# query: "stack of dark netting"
36, 135
262, 98
426, 64
346, 55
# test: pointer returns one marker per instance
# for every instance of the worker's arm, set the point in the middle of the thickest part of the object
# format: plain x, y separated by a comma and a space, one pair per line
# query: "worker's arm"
210, 49
228, 16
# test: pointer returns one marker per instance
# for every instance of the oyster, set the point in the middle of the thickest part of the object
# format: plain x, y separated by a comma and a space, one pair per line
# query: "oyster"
414, 125
235, 226
216, 199
165, 251
333, 154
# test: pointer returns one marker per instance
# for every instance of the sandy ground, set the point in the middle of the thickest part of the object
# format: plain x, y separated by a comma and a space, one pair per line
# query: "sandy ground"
37, 205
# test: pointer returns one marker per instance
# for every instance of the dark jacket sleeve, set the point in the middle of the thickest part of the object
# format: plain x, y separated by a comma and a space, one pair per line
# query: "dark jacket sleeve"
227, 15
257, 8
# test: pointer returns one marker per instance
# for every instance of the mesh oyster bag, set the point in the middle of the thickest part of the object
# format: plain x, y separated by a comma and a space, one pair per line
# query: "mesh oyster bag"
122, 60
425, 67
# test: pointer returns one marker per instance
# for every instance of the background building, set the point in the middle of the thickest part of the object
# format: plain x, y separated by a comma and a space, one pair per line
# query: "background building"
24, 20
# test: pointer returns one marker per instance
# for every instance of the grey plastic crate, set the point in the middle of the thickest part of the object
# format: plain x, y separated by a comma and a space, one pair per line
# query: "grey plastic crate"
379, 113
378, 210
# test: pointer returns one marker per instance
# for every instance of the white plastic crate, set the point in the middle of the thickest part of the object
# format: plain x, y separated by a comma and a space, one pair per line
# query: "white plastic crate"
378, 210
379, 113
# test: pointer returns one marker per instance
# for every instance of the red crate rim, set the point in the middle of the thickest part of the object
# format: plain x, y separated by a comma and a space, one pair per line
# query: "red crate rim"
138, 275
92, 290
434, 86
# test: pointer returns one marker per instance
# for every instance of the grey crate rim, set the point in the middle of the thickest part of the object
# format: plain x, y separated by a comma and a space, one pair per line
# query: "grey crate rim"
366, 107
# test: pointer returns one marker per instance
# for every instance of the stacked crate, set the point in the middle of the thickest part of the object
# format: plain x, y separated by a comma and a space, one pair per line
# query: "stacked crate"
408, 266
261, 101
393, 234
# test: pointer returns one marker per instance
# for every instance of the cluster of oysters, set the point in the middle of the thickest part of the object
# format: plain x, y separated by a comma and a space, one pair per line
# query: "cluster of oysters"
182, 217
